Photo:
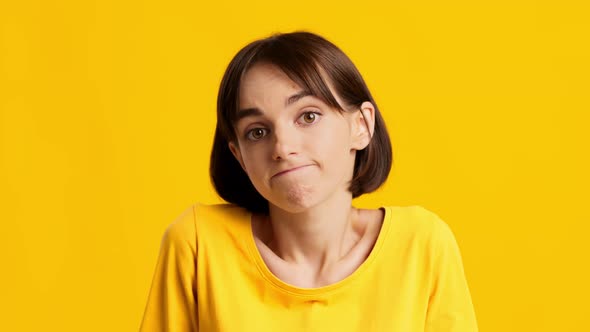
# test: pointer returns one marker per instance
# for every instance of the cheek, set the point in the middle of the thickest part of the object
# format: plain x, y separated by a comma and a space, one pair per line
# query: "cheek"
331, 152
332, 142
253, 160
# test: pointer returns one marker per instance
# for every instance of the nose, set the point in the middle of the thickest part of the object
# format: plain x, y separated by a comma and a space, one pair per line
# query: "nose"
284, 144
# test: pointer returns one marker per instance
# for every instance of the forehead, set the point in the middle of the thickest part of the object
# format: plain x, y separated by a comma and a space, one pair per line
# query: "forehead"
264, 81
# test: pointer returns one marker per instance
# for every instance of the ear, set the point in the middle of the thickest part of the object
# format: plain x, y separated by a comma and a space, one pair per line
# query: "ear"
363, 126
235, 150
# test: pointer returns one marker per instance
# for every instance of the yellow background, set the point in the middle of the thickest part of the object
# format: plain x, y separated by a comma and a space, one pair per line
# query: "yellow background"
107, 111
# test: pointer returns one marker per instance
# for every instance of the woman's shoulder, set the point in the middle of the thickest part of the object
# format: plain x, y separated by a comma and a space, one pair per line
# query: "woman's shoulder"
419, 222
416, 215
199, 216
181, 229
223, 209
219, 215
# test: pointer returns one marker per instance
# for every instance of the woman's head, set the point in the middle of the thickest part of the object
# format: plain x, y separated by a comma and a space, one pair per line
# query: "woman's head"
294, 100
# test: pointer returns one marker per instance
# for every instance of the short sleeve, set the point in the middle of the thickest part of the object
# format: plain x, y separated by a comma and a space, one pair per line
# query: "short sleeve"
172, 300
450, 308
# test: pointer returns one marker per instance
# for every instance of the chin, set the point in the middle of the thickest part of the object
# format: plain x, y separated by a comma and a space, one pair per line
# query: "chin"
297, 200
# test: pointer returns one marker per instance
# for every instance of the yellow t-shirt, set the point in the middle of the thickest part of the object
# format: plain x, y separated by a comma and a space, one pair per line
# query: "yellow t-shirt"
210, 276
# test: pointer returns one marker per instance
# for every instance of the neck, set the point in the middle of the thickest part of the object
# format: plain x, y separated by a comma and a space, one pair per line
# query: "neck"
317, 237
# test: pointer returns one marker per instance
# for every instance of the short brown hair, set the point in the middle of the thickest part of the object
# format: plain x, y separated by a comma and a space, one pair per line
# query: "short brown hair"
303, 57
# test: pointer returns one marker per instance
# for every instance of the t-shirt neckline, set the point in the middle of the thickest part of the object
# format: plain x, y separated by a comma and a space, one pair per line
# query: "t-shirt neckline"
300, 291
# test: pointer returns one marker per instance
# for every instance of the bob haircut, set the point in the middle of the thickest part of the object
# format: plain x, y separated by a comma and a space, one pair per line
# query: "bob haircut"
311, 62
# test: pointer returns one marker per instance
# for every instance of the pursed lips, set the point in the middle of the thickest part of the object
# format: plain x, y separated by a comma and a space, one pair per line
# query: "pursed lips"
289, 170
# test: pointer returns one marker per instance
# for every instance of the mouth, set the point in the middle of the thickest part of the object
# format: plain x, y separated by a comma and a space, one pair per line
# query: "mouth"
289, 170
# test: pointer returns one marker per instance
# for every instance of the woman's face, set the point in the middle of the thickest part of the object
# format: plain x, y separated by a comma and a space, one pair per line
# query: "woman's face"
296, 150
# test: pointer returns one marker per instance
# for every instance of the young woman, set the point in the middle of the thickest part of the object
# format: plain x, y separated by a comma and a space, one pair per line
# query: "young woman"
298, 137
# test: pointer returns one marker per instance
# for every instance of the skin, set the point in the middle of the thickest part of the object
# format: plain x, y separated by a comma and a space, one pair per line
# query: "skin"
312, 235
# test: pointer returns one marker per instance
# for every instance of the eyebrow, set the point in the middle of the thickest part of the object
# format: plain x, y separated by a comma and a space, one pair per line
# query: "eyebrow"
255, 111
294, 98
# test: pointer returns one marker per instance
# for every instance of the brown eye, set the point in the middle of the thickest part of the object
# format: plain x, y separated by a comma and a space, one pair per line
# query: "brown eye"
310, 117
256, 134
